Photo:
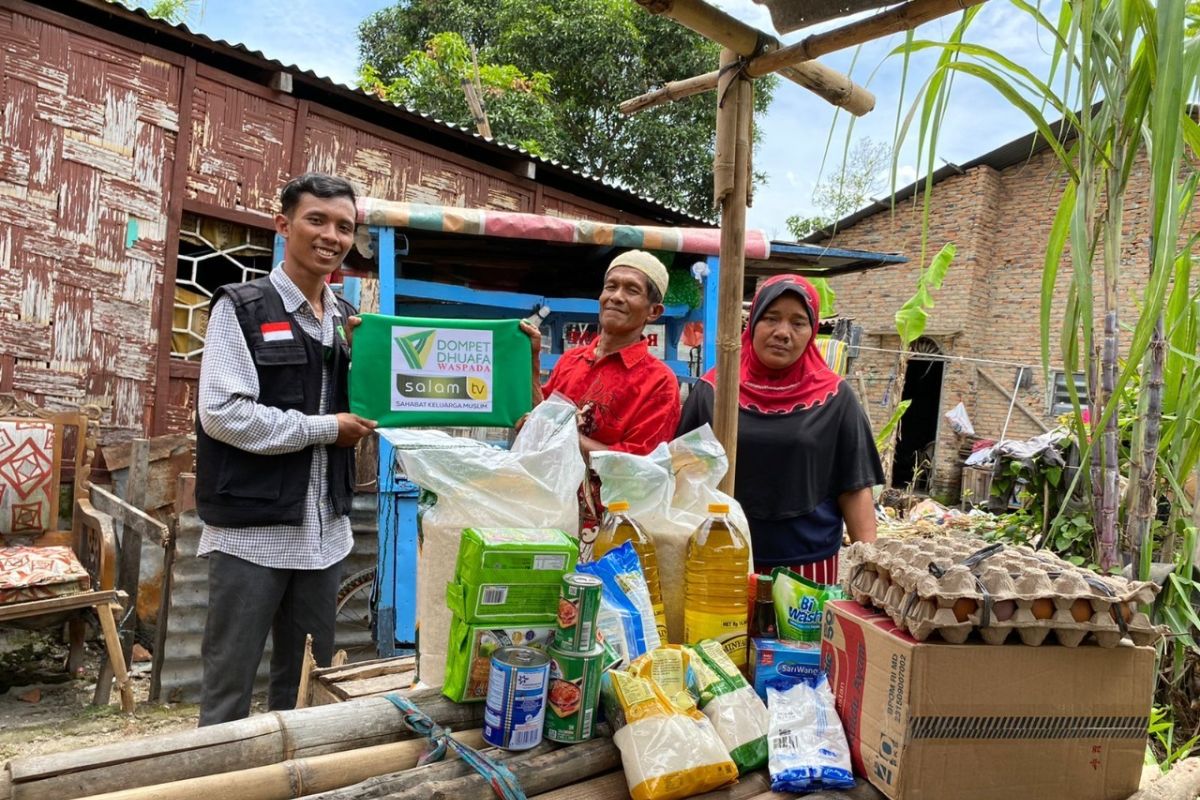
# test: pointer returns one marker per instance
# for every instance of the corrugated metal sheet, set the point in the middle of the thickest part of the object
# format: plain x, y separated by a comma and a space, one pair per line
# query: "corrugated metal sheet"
87, 131
182, 668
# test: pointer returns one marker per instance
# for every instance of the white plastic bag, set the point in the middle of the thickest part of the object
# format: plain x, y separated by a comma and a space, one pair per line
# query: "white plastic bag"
959, 420
807, 743
668, 492
533, 485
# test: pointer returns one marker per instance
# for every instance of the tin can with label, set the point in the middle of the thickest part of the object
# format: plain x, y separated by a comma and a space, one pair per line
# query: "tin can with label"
578, 607
516, 699
574, 694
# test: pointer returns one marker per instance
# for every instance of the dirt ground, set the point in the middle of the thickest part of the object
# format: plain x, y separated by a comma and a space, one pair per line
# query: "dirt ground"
44, 710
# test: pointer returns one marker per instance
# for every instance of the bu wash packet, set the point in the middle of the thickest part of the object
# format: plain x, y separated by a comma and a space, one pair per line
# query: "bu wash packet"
409, 371
799, 605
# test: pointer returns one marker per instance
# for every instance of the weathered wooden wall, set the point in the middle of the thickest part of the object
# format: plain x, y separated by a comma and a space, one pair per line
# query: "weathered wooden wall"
93, 127
87, 140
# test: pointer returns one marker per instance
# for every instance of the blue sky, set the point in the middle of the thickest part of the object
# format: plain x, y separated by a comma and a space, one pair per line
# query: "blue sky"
796, 129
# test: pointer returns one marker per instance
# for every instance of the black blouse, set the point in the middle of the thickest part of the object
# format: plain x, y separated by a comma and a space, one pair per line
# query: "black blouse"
792, 467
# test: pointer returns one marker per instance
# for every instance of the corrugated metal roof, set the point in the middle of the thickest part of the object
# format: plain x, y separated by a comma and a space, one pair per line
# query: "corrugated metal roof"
90, 9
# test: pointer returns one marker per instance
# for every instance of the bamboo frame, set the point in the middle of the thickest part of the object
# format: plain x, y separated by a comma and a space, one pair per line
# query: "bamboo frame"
744, 40
735, 112
788, 60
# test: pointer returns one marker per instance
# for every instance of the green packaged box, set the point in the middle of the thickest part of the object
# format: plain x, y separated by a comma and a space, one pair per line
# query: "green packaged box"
505, 602
510, 574
469, 655
514, 556
409, 371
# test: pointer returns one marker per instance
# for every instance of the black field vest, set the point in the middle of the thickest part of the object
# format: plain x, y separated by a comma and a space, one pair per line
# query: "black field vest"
236, 488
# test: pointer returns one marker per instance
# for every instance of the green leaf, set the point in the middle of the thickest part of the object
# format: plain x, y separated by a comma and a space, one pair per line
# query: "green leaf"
885, 434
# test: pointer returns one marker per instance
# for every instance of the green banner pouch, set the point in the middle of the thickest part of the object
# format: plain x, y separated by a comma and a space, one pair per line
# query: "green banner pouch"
412, 372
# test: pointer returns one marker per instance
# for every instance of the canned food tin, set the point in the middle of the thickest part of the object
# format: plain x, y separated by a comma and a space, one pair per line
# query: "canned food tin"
516, 700
574, 693
578, 606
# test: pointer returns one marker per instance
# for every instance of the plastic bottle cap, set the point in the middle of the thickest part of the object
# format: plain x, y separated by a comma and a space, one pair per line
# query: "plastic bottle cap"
718, 508
618, 506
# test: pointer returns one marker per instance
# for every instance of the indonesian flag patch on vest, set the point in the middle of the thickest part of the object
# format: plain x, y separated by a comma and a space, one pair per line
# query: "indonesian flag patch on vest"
277, 332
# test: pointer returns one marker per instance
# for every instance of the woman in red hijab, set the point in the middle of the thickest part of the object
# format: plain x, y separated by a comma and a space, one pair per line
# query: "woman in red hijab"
806, 455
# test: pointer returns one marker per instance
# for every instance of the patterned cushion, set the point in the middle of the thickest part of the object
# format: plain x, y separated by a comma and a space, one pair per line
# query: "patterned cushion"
36, 573
26, 475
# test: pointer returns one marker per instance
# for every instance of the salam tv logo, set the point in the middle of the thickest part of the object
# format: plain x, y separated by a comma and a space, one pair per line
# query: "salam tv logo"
416, 347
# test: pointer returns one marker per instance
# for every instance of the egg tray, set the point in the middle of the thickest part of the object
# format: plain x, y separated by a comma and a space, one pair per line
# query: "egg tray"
955, 586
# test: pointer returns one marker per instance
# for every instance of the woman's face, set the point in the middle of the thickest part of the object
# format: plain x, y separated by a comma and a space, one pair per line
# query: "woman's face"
782, 332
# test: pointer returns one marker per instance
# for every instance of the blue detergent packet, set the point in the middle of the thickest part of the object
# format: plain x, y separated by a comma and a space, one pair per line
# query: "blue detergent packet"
806, 742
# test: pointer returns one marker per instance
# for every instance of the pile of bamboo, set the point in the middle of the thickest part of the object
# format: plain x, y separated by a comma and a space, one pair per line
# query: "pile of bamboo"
342, 751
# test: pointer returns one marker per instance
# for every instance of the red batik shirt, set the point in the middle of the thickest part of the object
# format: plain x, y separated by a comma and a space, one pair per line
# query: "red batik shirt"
630, 398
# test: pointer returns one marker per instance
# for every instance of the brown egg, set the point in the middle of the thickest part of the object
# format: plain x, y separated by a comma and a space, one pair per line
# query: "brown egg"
964, 607
1004, 610
1043, 608
1126, 611
1081, 610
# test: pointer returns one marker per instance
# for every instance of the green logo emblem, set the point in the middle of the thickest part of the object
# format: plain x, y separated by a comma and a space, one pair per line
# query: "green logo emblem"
416, 347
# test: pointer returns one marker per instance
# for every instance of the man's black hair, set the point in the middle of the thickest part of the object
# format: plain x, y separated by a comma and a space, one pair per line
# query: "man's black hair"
318, 185
652, 293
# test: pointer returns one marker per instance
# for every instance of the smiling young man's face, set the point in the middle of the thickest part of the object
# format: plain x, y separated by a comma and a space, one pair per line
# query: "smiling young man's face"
319, 233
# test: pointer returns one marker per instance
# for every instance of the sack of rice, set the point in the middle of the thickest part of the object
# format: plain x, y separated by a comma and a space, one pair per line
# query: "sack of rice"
533, 485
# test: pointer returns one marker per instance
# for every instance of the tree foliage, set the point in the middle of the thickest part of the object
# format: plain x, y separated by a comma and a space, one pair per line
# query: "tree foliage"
588, 55
863, 175
172, 11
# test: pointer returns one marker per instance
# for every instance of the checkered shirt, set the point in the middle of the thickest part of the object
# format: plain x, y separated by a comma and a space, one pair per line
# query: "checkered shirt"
230, 413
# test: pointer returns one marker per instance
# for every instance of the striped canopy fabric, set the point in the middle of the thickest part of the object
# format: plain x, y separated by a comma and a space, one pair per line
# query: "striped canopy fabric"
515, 225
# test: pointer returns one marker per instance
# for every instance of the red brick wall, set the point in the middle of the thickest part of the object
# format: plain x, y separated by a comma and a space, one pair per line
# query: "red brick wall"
989, 307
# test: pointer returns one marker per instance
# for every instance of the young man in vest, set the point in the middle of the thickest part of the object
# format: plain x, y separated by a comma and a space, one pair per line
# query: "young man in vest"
275, 457
628, 400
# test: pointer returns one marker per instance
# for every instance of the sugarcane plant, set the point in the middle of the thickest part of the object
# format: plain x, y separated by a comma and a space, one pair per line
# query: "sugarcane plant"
1120, 94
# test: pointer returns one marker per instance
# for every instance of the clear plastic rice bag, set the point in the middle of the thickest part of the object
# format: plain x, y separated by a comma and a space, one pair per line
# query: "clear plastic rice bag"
808, 749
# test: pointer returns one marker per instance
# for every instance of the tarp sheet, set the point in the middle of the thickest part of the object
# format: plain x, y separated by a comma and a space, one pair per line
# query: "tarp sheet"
515, 225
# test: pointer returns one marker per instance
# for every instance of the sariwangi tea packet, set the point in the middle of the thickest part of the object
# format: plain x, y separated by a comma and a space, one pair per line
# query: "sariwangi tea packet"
408, 371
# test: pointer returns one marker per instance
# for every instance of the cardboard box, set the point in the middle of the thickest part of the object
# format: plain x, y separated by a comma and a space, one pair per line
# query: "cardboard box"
937, 721
771, 658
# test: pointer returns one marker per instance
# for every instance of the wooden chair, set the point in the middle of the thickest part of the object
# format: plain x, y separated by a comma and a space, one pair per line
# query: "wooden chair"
30, 480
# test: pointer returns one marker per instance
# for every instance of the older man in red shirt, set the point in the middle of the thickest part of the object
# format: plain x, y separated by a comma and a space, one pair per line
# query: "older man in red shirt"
628, 400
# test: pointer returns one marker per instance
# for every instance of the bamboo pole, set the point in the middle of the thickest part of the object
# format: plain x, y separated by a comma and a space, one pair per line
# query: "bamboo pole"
816, 77
561, 767
294, 778
607, 787
415, 782
735, 112
668, 92
885, 23
725, 30
253, 742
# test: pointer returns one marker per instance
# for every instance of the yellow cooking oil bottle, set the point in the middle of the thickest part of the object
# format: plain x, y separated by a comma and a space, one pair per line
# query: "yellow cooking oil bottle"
617, 528
715, 602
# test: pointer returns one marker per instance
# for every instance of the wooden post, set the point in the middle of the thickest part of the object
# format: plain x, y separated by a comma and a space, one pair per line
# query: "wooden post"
735, 97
